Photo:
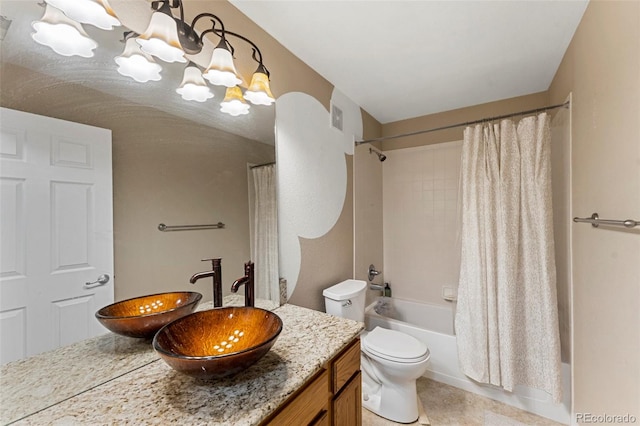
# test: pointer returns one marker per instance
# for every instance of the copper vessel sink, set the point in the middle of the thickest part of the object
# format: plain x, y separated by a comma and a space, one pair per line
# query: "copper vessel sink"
144, 316
218, 342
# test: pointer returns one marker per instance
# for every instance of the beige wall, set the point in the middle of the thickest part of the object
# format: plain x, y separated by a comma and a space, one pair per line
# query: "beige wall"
462, 115
367, 196
602, 70
165, 170
561, 188
327, 260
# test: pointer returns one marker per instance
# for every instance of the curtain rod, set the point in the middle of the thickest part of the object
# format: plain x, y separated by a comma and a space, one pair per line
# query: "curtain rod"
468, 123
262, 165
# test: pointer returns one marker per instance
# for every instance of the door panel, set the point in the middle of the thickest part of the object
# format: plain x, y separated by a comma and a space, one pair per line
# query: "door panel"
71, 153
12, 231
71, 225
57, 231
11, 143
13, 334
65, 314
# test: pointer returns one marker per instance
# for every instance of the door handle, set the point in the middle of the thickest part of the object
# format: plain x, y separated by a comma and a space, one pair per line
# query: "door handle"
102, 280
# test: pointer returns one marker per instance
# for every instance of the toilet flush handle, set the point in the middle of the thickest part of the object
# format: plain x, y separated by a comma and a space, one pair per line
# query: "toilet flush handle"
347, 303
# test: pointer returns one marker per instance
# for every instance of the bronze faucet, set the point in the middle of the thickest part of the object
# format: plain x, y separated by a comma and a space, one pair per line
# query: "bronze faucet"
216, 273
248, 281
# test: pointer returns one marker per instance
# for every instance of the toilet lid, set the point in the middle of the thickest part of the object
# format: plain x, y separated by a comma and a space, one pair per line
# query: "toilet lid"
394, 345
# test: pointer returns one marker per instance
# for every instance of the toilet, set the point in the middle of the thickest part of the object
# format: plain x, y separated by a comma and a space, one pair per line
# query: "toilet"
391, 361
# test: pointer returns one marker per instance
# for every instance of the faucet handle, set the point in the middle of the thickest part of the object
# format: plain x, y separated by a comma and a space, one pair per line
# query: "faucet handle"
214, 262
372, 272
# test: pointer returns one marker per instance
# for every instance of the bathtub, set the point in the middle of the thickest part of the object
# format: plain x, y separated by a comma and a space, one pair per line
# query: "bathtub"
433, 325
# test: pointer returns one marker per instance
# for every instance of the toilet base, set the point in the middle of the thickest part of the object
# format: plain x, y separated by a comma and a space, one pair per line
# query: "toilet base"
398, 404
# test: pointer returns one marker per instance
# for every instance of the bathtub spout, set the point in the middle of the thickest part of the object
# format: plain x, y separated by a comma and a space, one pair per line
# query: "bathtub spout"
376, 287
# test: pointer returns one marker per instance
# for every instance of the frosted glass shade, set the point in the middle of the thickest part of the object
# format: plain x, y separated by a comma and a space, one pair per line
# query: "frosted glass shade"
161, 39
259, 92
221, 70
65, 36
95, 12
193, 86
136, 64
233, 103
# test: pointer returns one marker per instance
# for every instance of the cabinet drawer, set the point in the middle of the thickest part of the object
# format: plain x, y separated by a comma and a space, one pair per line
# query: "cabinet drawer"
305, 406
345, 366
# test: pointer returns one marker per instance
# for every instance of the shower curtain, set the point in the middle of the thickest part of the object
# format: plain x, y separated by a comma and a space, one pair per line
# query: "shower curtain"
265, 235
507, 319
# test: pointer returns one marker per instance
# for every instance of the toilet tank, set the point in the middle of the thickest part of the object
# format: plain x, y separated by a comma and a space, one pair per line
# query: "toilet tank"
346, 299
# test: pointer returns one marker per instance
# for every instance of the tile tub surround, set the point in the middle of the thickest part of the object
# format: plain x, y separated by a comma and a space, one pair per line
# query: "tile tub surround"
156, 394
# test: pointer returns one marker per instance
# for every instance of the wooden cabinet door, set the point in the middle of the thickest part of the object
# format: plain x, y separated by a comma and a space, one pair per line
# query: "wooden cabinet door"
322, 420
345, 366
347, 406
305, 407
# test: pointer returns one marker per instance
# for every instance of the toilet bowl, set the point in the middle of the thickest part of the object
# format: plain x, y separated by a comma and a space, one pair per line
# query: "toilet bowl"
391, 361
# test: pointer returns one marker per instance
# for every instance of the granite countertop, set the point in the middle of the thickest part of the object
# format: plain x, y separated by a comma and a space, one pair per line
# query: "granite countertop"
145, 390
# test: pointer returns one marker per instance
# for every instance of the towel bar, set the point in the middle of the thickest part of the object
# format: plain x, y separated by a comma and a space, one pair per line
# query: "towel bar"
166, 228
595, 221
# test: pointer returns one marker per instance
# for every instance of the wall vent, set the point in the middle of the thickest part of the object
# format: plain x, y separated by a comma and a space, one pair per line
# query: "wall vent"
336, 117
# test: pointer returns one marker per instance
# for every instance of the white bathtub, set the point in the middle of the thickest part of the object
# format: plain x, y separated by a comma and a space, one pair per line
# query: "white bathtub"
433, 325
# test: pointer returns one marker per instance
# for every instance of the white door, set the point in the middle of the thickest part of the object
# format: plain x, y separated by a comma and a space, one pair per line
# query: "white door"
56, 232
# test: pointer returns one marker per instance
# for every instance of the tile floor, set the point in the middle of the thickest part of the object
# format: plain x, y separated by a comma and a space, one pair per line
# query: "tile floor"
447, 405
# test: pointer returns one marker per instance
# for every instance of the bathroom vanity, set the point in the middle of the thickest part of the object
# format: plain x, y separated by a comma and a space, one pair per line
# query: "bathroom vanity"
310, 376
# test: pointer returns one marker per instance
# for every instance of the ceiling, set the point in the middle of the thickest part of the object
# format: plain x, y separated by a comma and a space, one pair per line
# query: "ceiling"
404, 59
396, 59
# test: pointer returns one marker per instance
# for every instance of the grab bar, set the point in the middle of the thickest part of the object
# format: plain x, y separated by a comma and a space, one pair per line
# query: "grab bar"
595, 221
166, 228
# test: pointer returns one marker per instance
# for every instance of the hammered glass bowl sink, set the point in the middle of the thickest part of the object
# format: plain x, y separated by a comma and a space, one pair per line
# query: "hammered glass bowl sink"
218, 342
144, 316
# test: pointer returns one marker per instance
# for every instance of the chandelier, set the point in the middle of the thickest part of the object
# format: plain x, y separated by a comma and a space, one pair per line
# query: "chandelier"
168, 39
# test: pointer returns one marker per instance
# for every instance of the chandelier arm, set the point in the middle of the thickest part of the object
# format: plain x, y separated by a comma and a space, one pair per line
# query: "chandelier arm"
256, 49
157, 4
208, 15
215, 31
128, 34
181, 12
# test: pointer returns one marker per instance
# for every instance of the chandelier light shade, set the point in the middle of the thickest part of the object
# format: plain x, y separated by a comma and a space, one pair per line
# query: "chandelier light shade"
221, 70
234, 104
193, 86
259, 92
136, 64
161, 37
94, 12
65, 36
